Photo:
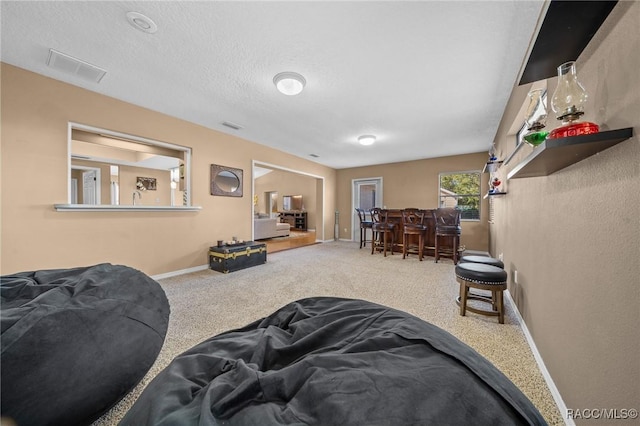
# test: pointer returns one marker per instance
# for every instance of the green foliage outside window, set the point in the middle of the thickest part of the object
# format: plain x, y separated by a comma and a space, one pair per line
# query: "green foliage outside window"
463, 191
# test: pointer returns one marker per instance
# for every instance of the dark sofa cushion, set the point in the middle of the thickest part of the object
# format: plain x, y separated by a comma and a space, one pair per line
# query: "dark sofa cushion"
75, 341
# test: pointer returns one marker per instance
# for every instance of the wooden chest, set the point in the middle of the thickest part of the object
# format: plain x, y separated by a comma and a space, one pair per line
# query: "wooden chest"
229, 258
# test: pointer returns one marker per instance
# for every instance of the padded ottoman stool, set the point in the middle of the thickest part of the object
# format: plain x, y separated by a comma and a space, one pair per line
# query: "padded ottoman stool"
483, 259
483, 277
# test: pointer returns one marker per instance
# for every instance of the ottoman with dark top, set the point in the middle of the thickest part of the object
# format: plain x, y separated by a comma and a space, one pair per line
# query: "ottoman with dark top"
483, 277
75, 341
483, 259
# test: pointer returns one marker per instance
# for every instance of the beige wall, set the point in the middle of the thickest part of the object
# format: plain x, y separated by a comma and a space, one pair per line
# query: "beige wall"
128, 178
35, 115
415, 184
574, 236
289, 183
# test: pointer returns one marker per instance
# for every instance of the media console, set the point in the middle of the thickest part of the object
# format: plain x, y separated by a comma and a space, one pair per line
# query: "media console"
297, 219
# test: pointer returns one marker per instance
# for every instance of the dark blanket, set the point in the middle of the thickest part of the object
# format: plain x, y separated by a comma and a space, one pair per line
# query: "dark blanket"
329, 361
75, 341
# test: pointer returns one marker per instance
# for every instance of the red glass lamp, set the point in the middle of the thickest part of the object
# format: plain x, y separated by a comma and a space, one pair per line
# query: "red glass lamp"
568, 103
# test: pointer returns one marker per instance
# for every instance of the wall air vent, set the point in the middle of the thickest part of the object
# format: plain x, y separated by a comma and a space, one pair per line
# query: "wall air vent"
71, 65
231, 125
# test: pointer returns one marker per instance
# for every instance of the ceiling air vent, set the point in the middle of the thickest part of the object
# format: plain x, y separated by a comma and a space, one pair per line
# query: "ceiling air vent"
231, 125
71, 65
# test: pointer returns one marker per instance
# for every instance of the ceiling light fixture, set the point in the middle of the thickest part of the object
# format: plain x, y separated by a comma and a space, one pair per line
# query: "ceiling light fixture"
366, 139
141, 22
289, 83
231, 125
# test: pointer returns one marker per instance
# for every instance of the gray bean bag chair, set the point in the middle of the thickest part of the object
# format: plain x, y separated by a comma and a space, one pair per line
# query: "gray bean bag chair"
75, 341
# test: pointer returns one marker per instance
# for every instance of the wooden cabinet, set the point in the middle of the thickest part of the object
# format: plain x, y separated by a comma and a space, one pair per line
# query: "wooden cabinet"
297, 219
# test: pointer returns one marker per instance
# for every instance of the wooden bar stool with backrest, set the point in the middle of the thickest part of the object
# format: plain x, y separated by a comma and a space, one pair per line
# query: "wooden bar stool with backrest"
413, 224
364, 225
382, 229
447, 223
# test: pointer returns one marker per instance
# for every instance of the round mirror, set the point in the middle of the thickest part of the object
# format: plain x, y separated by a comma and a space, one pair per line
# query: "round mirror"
227, 181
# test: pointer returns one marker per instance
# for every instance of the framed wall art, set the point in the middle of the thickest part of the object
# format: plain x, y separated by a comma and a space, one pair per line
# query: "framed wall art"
149, 184
226, 181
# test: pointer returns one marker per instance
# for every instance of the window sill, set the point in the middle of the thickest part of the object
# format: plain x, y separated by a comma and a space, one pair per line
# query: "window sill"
110, 208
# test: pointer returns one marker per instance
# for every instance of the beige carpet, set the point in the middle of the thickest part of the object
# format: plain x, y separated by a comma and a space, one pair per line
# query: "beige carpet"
207, 303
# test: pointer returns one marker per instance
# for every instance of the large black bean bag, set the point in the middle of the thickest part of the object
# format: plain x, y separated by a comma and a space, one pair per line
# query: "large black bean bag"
75, 341
328, 361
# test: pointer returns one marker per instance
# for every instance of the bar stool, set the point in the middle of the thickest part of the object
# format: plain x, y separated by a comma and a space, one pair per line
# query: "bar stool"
483, 277
364, 225
486, 260
482, 259
447, 223
413, 224
381, 229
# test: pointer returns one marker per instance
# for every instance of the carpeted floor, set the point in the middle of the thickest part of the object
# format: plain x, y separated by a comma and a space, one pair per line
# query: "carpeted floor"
207, 303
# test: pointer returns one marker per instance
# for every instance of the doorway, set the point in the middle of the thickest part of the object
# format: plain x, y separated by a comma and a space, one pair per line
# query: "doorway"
88, 178
367, 194
271, 203
272, 183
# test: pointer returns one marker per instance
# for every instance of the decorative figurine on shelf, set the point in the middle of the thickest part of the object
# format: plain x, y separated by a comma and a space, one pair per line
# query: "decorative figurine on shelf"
568, 104
536, 118
495, 185
492, 154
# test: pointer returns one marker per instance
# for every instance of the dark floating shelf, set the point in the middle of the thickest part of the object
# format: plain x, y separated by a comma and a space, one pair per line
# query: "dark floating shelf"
567, 28
491, 194
491, 166
556, 154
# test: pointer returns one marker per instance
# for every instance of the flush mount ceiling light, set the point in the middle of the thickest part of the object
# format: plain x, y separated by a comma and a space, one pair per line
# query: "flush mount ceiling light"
141, 22
366, 139
289, 83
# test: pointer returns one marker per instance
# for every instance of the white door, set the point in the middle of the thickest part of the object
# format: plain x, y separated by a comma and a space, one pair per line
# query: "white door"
89, 185
367, 194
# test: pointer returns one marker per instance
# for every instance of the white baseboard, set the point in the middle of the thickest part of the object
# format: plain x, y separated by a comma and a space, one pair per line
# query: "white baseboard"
180, 272
545, 373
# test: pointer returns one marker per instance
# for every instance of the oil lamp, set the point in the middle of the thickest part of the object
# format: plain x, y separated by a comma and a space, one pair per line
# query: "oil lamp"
568, 103
495, 185
536, 118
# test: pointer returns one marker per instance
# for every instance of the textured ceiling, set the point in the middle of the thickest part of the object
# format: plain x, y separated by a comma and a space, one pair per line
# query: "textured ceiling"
429, 79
